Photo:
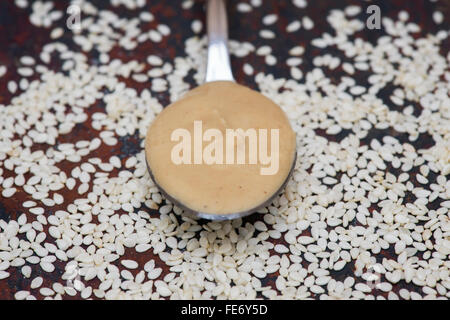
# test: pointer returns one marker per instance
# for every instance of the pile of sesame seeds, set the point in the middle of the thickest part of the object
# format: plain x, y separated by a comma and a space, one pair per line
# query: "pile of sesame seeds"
350, 201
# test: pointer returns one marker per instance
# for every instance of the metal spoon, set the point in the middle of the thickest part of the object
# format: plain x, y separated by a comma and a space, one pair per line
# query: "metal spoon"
219, 69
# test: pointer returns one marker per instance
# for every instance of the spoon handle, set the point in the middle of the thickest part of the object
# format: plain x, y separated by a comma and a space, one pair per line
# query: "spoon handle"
218, 67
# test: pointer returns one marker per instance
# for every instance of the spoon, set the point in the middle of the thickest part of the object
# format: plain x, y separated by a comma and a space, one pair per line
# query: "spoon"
201, 191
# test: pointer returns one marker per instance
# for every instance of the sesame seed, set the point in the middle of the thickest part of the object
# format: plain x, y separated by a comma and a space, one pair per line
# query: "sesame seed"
197, 26
12, 87
36, 282
244, 7
438, 17
130, 264
270, 19
267, 34
271, 60
3, 70
248, 69
293, 26
21, 295
307, 23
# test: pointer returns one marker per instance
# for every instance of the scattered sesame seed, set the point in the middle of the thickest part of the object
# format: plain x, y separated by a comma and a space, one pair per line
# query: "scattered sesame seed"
130, 264
197, 26
438, 17
293, 26
267, 34
322, 221
270, 19
244, 7
3, 71
307, 23
248, 69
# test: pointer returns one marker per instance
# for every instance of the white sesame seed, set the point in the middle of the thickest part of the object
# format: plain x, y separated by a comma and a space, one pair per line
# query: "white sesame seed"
267, 34
27, 60
37, 210
115, 161
21, 295
3, 70
197, 26
25, 72
248, 69
294, 61
154, 274
307, 23
244, 7
155, 36
47, 266
270, 19
293, 26
130, 264
86, 293
12, 87
46, 292
271, 60
163, 29
438, 17
36, 282
352, 10
57, 33
281, 248
154, 60
296, 51
421, 179
146, 16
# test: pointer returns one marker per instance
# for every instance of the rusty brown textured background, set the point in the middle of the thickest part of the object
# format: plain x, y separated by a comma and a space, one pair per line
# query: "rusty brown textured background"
18, 38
